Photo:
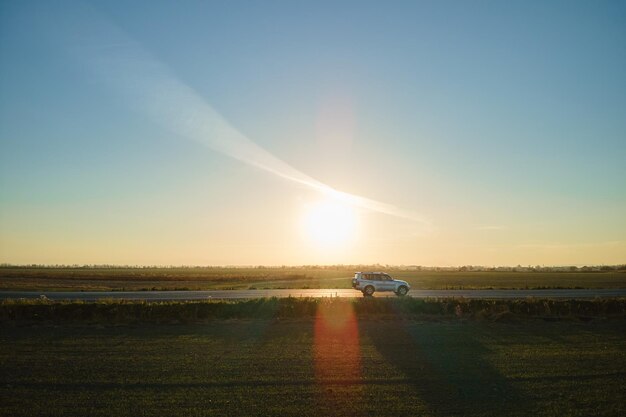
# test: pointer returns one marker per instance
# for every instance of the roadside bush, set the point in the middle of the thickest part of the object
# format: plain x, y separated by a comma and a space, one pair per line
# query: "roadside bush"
109, 311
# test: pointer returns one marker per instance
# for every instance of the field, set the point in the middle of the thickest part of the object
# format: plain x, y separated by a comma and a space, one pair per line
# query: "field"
311, 357
119, 279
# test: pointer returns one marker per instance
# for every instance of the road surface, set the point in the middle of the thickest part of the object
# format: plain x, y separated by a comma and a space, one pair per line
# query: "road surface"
247, 294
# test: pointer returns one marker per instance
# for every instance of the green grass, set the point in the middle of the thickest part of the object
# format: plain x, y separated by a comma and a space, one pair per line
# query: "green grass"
117, 279
297, 367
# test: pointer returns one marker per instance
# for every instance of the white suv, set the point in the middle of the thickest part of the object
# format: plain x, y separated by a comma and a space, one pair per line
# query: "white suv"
369, 282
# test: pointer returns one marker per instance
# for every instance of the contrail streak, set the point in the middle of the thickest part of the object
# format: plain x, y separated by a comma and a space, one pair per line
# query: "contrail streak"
150, 88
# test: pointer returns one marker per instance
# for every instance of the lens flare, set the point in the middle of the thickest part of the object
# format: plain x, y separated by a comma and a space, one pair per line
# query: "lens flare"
337, 351
149, 87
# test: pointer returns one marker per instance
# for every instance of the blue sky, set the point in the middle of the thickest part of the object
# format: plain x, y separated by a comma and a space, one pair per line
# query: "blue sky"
502, 123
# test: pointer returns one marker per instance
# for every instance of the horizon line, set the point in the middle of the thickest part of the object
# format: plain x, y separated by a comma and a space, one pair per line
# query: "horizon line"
298, 266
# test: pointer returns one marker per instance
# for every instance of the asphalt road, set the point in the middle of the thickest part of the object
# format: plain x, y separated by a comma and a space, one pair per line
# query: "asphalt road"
246, 294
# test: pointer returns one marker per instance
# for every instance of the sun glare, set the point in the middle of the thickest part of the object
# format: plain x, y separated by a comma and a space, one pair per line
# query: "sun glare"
330, 223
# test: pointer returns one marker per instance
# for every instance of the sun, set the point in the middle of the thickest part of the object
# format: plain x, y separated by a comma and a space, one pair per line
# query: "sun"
330, 223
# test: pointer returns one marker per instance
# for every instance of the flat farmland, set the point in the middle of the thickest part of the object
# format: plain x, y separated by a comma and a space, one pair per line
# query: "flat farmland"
327, 365
213, 278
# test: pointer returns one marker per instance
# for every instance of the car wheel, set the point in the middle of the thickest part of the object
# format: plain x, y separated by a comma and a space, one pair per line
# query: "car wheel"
402, 291
368, 291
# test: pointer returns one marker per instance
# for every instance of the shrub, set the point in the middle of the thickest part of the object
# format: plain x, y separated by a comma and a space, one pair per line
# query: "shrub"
110, 311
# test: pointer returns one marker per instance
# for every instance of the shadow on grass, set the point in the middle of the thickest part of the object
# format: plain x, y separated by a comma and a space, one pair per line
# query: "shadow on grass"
205, 384
446, 367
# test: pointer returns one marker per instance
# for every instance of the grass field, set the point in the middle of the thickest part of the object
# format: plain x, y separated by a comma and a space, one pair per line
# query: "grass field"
107, 279
331, 364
